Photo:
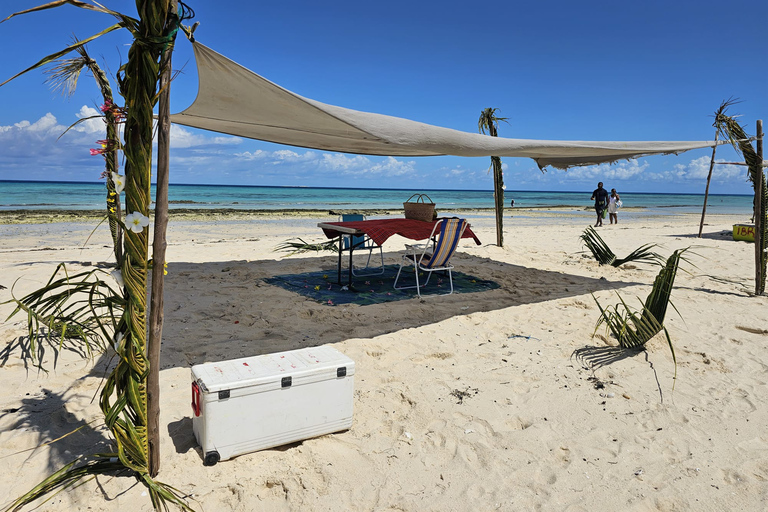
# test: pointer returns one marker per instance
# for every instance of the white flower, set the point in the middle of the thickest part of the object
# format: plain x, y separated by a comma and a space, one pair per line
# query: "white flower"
118, 341
118, 275
503, 187
136, 222
119, 181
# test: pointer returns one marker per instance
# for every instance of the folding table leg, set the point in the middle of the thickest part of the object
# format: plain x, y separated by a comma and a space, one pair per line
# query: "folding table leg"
338, 273
351, 250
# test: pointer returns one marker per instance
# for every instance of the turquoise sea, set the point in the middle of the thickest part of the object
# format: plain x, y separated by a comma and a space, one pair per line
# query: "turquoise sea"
40, 195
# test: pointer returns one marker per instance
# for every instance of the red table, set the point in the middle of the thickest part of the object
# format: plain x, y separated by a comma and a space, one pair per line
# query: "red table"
380, 230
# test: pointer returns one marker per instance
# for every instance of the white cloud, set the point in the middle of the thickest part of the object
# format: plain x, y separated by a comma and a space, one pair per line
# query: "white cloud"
340, 162
361, 165
44, 124
698, 169
182, 138
618, 171
391, 166
255, 155
286, 155
93, 122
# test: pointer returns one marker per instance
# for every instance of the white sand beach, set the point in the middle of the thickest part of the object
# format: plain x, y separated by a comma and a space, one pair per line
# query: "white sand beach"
500, 400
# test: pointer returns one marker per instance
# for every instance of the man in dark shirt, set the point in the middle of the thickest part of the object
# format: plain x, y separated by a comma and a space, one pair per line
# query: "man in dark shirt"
600, 195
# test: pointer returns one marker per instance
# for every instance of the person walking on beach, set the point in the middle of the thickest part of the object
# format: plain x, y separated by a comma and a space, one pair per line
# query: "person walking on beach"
613, 206
600, 195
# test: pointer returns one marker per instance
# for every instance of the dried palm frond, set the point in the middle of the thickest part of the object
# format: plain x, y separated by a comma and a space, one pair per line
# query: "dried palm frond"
300, 246
64, 73
490, 121
605, 256
634, 329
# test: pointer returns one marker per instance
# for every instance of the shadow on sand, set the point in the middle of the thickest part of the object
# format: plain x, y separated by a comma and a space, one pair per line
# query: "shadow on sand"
225, 310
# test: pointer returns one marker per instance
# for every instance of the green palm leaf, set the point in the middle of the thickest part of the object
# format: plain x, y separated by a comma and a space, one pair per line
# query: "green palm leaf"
81, 308
728, 127
633, 329
52, 57
605, 256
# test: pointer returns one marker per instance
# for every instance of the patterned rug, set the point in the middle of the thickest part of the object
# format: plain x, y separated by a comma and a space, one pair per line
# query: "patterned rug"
322, 287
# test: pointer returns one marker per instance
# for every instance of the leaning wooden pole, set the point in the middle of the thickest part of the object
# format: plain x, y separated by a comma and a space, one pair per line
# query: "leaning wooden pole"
709, 178
159, 244
759, 217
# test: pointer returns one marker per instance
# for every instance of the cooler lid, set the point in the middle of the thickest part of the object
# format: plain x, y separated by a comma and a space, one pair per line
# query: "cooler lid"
304, 365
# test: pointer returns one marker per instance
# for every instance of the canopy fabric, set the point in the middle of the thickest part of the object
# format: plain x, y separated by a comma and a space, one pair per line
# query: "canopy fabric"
233, 100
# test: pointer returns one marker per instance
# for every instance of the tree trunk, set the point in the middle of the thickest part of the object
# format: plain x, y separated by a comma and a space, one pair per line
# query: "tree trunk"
759, 215
498, 195
159, 244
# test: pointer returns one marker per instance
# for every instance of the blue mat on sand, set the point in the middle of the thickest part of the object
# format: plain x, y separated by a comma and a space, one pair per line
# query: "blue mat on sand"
322, 287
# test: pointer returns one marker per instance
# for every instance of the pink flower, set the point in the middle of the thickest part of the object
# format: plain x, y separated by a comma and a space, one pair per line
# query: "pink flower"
96, 151
110, 108
330, 302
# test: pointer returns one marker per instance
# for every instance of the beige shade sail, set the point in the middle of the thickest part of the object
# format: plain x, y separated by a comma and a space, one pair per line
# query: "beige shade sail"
234, 100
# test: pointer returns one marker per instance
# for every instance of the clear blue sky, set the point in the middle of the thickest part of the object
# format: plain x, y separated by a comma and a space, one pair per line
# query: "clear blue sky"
593, 70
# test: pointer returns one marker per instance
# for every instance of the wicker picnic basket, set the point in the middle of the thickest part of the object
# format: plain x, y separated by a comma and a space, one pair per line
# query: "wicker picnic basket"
419, 209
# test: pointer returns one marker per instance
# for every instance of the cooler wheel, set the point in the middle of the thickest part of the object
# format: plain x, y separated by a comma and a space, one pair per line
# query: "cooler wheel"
211, 458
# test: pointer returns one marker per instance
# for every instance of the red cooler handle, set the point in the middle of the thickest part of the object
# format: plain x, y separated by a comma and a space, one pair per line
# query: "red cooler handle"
196, 399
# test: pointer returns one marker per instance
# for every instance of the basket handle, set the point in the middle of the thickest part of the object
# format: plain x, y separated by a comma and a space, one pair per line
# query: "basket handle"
420, 197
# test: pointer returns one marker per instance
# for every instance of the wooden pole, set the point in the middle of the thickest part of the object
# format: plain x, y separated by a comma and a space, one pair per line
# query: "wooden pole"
159, 245
759, 218
706, 190
498, 191
498, 196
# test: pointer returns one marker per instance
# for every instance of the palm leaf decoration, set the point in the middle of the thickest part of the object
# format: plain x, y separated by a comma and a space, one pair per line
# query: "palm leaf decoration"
299, 246
124, 399
64, 75
605, 256
730, 129
78, 307
634, 329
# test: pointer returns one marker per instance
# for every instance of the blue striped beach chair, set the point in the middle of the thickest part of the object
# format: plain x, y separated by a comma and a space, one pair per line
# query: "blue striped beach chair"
436, 256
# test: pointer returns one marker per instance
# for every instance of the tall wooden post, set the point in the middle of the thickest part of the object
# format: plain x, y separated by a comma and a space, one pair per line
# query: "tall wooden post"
759, 218
706, 190
498, 198
159, 245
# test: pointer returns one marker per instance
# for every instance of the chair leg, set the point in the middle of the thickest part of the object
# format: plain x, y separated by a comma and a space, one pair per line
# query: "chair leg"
402, 264
429, 276
361, 272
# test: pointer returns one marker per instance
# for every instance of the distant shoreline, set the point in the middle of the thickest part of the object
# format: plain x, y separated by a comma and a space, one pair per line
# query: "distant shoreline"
49, 216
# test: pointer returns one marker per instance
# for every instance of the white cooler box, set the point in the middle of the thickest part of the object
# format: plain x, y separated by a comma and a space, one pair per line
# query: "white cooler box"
254, 403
